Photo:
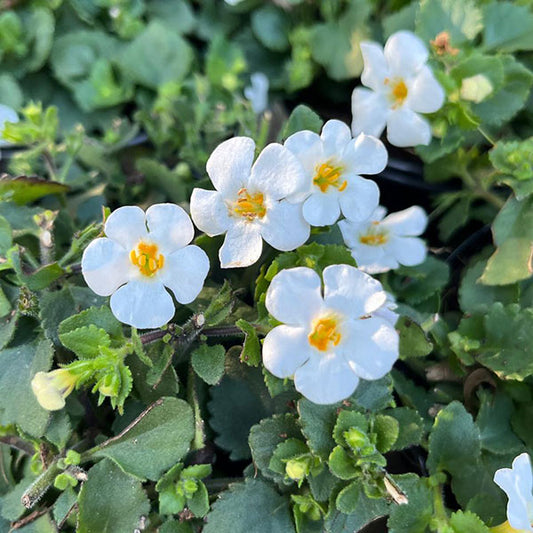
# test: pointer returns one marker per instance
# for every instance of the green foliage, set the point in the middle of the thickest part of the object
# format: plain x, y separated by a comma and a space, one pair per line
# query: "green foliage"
208, 362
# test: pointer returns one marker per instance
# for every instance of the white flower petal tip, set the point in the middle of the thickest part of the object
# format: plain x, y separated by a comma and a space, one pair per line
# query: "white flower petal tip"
328, 342
380, 243
517, 483
141, 255
252, 201
332, 164
401, 85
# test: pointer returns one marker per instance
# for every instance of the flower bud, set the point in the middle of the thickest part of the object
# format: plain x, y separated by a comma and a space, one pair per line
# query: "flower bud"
51, 388
297, 469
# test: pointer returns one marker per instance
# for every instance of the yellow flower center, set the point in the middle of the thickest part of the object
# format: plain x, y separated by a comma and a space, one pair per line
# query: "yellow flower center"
145, 256
398, 91
249, 206
325, 331
374, 236
327, 175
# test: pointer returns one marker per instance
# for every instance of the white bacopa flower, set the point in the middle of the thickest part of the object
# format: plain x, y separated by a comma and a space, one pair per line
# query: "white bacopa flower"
333, 162
249, 203
257, 92
517, 483
140, 256
7, 114
382, 243
328, 342
401, 86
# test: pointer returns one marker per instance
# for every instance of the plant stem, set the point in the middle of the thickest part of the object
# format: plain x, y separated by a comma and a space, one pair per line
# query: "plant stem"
486, 135
440, 518
192, 396
17, 444
38, 488
481, 192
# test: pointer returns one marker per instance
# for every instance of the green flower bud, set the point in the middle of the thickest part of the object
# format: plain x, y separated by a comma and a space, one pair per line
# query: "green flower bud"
355, 438
297, 469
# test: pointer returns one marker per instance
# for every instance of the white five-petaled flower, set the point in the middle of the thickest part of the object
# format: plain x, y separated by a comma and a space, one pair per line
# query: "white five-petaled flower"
328, 342
401, 86
517, 483
382, 243
7, 114
333, 162
257, 92
249, 203
142, 254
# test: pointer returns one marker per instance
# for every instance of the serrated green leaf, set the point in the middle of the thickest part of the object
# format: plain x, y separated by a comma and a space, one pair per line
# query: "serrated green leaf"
317, 423
413, 340
251, 349
85, 342
6, 236
208, 362
341, 464
286, 449
271, 511
387, 430
411, 427
347, 420
101, 317
467, 521
111, 501
166, 426
24, 190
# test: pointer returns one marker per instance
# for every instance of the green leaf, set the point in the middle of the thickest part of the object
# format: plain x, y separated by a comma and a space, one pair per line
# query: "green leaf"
508, 27
54, 307
111, 501
271, 27
411, 427
347, 420
413, 517
85, 342
19, 365
271, 511
454, 442
40, 278
373, 395
208, 362
6, 239
387, 430
475, 296
266, 436
413, 340
64, 504
287, 449
42, 27
59, 429
302, 118
317, 423
155, 56
177, 16
10, 92
462, 20
403, 19
251, 349
166, 426
224, 63
342, 465
513, 236
101, 317
467, 521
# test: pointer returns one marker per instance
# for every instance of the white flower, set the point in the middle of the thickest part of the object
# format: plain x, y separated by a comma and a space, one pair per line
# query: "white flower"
382, 243
517, 483
257, 92
333, 162
388, 310
328, 342
140, 256
401, 87
6, 115
249, 202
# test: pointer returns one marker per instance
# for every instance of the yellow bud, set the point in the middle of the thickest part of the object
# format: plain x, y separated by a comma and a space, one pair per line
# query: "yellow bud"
51, 388
297, 469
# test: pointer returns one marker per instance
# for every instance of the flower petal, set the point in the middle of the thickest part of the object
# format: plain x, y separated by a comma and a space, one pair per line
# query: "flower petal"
373, 259
409, 222
370, 110
405, 53
321, 209
209, 212
350, 231
360, 198
242, 246
351, 291
406, 128
408, 251
335, 136
426, 94
284, 226
184, 273
375, 66
325, 379
277, 172
142, 304
286, 348
170, 226
307, 147
230, 164
126, 226
365, 155
106, 266
294, 296
371, 348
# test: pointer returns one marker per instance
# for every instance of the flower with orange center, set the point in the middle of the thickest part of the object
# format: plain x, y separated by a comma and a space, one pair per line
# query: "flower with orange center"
143, 255
400, 87
333, 162
327, 343
251, 201
382, 243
